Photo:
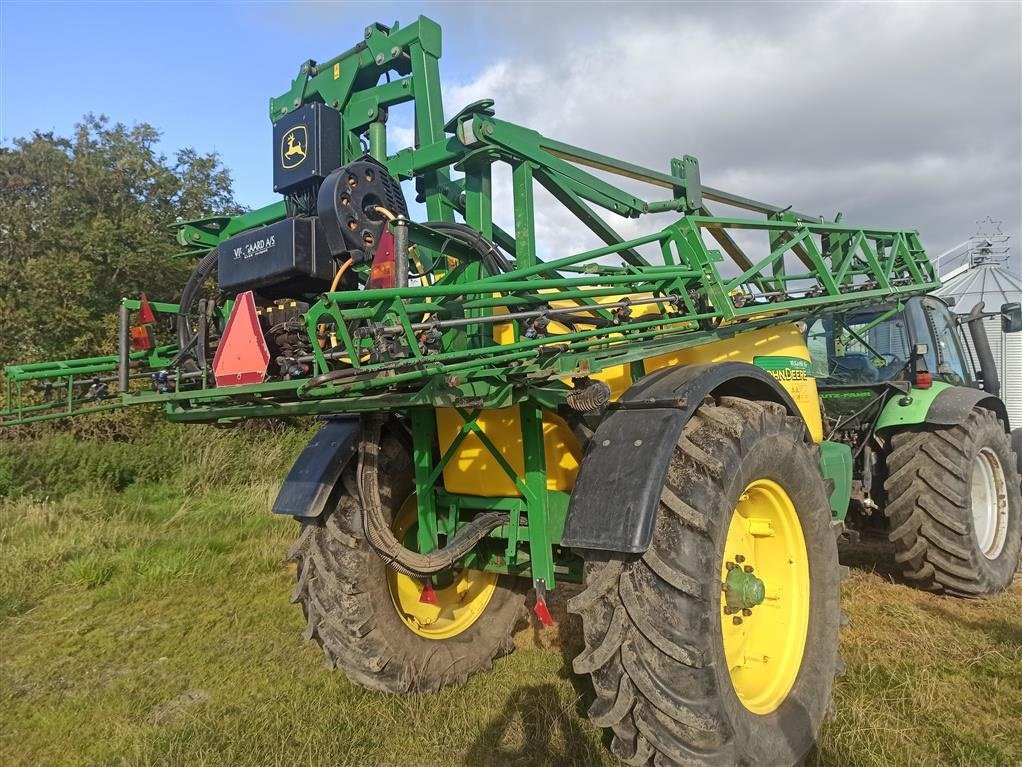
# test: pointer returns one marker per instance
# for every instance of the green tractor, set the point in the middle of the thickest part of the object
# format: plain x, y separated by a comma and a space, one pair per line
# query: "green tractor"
934, 467
681, 427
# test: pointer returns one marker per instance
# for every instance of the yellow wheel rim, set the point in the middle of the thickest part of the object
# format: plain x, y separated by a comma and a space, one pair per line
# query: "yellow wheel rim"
458, 604
764, 606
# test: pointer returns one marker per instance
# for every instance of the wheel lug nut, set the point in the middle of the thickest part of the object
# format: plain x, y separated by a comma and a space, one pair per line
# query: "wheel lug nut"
739, 558
737, 621
748, 568
746, 612
731, 565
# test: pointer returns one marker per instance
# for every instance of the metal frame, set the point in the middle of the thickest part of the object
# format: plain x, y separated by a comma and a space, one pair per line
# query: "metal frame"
702, 286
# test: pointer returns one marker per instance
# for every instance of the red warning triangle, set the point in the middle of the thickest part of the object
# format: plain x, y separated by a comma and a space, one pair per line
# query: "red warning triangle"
145, 314
241, 356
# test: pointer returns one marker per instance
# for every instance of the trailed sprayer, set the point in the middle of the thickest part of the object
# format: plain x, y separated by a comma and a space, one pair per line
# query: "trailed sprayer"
683, 422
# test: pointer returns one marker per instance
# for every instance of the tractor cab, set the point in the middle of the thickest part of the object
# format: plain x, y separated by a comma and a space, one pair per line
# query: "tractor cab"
901, 343
862, 357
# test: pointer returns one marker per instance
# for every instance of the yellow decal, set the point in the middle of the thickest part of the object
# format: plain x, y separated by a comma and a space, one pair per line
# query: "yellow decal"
293, 146
337, 71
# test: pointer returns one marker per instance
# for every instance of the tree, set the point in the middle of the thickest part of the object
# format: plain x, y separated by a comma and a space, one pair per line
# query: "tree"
83, 222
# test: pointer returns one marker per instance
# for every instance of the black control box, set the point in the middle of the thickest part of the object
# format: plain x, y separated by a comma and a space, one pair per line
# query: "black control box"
288, 258
306, 147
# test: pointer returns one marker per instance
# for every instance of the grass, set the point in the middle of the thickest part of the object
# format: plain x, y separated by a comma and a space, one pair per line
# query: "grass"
144, 620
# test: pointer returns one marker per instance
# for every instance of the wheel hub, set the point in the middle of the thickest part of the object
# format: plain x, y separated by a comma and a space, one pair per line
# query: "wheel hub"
742, 589
764, 601
457, 599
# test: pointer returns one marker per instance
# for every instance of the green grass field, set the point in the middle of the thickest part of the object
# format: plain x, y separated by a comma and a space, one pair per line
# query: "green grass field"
144, 619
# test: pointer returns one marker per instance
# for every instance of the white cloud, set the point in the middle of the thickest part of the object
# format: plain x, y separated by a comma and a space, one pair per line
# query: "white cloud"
899, 115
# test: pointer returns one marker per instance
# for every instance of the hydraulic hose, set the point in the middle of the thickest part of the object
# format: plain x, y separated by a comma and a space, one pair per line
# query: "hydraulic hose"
465, 234
377, 526
202, 272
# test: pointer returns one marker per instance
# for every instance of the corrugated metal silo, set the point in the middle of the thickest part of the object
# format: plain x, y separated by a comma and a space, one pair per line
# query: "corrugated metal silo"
994, 285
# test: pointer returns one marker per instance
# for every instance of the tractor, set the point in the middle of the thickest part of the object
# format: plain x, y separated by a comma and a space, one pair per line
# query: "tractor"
678, 423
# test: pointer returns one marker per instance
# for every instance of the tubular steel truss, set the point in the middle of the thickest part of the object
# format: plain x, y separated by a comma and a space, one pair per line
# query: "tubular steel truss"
471, 337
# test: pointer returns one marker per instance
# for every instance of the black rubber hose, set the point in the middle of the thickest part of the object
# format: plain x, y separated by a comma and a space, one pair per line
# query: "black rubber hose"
377, 526
490, 253
202, 272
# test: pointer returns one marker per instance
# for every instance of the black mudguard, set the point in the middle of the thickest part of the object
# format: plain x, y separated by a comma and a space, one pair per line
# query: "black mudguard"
953, 405
312, 479
614, 502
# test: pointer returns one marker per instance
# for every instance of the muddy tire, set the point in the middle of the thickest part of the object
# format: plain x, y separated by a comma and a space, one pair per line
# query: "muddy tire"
343, 588
654, 624
955, 507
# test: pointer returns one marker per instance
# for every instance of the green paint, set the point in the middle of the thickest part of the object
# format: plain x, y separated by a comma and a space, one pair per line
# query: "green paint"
743, 590
701, 279
911, 408
836, 464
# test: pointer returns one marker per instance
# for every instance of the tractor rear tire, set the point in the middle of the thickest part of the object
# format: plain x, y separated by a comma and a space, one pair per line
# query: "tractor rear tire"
955, 506
346, 594
667, 687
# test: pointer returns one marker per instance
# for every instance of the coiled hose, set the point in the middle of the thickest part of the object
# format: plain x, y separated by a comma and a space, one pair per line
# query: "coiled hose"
377, 526
202, 272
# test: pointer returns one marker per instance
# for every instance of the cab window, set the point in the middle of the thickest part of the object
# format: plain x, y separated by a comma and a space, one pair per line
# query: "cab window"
870, 345
946, 358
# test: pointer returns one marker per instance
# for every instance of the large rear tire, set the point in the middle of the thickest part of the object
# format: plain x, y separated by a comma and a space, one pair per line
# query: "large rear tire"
683, 673
955, 506
370, 621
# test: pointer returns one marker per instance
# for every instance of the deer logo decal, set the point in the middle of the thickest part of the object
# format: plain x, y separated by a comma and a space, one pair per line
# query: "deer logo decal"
293, 146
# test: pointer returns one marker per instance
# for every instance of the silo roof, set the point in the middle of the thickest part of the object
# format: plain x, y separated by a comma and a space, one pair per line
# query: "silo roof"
990, 283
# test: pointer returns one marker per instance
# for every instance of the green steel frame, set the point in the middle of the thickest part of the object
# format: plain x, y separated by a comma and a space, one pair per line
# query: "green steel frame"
700, 283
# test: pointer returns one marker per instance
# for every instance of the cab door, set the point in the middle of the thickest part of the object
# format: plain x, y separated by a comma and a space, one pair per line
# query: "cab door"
934, 326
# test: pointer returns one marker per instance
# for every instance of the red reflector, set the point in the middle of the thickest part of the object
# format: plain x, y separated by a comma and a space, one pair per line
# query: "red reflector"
141, 338
145, 311
241, 356
923, 380
382, 273
542, 612
428, 596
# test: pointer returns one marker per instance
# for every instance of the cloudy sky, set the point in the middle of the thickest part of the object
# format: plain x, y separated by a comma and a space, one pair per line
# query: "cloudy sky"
899, 115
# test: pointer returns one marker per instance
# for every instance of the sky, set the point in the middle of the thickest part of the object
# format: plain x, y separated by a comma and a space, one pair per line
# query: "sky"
898, 115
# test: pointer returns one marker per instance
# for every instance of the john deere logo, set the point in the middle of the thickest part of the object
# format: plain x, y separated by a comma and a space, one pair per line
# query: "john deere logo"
293, 146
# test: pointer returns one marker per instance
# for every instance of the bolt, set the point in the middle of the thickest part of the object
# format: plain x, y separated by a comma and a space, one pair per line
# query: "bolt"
335, 103
395, 51
606, 443
638, 443
746, 612
379, 58
297, 102
730, 566
748, 568
739, 558
489, 129
737, 621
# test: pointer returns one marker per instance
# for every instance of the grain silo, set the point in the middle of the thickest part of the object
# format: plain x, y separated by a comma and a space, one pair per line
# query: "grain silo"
986, 276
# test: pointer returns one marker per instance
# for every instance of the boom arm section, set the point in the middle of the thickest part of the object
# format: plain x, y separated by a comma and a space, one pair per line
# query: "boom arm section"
483, 329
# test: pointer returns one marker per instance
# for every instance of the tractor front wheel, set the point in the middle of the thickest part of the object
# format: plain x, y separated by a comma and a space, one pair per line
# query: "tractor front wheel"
718, 645
372, 622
